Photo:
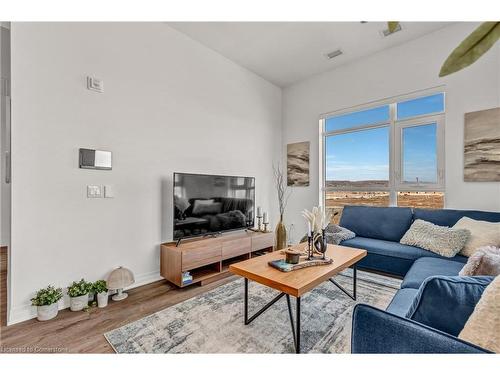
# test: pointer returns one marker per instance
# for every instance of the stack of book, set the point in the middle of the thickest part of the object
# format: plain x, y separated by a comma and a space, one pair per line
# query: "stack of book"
187, 278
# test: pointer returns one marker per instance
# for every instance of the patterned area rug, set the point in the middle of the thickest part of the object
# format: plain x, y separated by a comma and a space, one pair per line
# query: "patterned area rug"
213, 322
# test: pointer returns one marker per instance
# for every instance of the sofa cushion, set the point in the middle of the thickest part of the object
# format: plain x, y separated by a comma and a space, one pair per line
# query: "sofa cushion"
482, 233
387, 264
449, 218
444, 241
485, 261
393, 249
426, 267
402, 301
446, 302
483, 326
383, 223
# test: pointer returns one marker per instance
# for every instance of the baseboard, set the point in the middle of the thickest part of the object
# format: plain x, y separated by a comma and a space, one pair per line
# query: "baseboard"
18, 314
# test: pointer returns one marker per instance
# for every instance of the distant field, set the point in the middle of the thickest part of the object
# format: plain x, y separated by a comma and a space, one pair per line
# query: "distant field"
343, 183
335, 201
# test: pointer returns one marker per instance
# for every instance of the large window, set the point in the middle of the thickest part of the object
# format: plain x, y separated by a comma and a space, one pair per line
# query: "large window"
386, 155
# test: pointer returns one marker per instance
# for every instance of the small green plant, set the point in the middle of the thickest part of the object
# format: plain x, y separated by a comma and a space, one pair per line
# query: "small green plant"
80, 288
47, 296
99, 286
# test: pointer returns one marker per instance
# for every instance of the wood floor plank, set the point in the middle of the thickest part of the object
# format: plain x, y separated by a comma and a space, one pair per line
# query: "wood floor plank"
83, 332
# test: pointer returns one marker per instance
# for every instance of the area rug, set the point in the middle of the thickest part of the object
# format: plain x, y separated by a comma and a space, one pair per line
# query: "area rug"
213, 322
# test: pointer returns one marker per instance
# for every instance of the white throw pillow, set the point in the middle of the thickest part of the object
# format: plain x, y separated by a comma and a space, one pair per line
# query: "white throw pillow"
483, 326
482, 233
444, 241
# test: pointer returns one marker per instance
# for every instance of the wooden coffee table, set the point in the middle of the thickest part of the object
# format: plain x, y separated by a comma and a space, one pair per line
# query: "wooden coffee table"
298, 282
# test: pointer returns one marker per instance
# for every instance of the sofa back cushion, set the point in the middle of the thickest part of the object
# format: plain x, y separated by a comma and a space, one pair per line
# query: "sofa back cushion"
382, 223
449, 218
446, 302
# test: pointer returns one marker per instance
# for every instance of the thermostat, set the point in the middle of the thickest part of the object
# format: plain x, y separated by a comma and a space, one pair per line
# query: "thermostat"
95, 84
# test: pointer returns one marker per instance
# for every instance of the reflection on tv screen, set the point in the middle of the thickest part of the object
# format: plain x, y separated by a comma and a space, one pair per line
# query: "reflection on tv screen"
207, 204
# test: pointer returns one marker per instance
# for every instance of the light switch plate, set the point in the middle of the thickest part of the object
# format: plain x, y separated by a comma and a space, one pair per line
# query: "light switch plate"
108, 191
94, 191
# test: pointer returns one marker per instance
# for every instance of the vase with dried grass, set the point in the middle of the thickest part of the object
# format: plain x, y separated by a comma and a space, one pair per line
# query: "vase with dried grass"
283, 195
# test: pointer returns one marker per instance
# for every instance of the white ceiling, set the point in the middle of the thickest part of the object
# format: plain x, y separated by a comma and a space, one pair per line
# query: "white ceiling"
287, 52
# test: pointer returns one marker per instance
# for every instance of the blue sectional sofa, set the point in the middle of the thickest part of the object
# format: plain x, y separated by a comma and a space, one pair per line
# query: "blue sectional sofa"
433, 304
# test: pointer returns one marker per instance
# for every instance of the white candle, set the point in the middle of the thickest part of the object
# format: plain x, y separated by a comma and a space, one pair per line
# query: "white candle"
264, 217
259, 211
309, 228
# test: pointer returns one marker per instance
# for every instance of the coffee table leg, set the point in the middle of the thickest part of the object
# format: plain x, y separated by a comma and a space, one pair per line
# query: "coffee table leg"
353, 295
297, 344
295, 330
291, 320
246, 301
354, 280
249, 320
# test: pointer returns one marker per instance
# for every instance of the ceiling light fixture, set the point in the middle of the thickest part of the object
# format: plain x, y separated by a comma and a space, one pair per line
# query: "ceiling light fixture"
331, 55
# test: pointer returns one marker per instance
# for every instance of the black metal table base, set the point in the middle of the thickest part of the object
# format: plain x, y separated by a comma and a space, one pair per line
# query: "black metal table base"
353, 295
295, 324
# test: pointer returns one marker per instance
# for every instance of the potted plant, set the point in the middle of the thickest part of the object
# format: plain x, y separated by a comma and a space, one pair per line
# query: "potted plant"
101, 290
46, 302
79, 295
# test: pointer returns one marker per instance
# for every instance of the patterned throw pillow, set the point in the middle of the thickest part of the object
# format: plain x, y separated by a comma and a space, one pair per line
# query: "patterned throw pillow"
444, 241
483, 326
482, 233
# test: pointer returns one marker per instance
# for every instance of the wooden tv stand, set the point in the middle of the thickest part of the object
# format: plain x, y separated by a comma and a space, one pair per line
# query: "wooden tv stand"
208, 259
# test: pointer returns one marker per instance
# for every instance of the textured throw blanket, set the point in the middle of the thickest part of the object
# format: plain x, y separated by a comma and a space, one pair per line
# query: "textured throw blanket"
335, 234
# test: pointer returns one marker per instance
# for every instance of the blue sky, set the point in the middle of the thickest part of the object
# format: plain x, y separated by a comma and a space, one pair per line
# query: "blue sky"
364, 155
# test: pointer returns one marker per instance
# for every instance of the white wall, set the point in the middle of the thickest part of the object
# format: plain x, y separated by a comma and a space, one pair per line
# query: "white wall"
169, 105
4, 134
396, 71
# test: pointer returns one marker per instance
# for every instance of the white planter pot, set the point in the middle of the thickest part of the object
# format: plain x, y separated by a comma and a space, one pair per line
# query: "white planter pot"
102, 299
47, 312
79, 303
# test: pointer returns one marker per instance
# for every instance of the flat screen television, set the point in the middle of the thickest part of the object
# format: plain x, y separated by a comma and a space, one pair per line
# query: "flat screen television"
210, 204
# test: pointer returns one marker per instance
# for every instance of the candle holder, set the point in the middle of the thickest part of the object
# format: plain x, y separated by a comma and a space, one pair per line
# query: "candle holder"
259, 223
310, 246
323, 244
265, 227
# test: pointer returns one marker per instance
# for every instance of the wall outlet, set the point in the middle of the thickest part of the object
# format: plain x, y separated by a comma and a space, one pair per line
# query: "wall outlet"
94, 191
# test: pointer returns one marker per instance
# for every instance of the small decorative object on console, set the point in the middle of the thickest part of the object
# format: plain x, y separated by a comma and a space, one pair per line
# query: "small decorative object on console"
187, 278
262, 219
118, 279
283, 195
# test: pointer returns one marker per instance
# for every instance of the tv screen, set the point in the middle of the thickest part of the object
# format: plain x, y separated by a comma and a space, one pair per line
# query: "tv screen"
208, 204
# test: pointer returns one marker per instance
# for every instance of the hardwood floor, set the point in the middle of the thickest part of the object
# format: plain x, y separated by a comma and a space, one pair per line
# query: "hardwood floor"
83, 332
3, 286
